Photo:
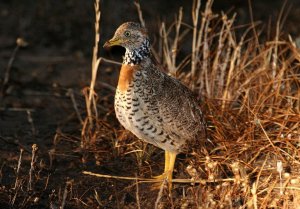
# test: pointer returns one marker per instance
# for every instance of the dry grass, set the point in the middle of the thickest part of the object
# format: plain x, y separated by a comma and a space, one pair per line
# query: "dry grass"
250, 91
90, 95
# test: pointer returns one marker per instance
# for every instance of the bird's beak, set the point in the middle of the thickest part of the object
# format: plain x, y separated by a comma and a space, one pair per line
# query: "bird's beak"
112, 42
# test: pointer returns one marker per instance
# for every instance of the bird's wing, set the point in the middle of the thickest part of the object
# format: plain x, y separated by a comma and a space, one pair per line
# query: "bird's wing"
180, 112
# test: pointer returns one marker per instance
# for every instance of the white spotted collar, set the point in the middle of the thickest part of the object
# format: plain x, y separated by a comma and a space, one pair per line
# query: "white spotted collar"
134, 57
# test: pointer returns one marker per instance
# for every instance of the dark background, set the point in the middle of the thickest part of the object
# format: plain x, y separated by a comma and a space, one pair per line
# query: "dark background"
68, 25
58, 58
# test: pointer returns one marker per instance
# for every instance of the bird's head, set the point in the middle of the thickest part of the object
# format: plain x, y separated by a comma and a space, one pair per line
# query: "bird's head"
129, 35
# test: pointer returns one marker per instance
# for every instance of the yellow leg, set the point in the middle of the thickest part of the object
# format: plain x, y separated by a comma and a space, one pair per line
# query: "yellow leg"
170, 158
167, 161
166, 170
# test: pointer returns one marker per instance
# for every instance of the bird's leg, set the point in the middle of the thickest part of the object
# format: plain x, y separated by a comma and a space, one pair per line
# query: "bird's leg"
167, 161
170, 158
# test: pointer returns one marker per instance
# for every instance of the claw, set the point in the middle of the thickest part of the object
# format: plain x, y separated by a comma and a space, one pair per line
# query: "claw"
162, 180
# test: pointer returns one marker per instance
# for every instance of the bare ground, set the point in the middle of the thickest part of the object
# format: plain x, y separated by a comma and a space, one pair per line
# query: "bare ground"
46, 82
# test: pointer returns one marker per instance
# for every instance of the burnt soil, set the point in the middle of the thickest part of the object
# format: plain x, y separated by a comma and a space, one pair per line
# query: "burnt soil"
36, 103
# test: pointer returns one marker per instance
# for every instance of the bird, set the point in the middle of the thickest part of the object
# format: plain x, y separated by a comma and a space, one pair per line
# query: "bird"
155, 107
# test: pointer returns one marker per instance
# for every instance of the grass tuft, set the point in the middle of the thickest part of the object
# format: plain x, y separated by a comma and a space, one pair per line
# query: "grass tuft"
250, 91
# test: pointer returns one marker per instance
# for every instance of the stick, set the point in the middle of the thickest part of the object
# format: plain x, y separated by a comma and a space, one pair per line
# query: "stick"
150, 180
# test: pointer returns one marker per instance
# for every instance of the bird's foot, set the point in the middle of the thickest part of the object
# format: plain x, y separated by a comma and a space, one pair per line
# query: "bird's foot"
163, 180
160, 177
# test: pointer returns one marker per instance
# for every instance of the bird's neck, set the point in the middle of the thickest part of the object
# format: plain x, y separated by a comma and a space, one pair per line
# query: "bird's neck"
135, 56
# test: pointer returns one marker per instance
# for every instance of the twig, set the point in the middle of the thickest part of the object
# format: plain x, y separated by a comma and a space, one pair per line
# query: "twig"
95, 64
195, 49
30, 121
254, 194
140, 13
32, 164
137, 194
206, 49
160, 193
166, 49
176, 39
47, 182
110, 61
252, 22
150, 180
279, 170
65, 196
113, 177
20, 43
70, 93
96, 196
18, 168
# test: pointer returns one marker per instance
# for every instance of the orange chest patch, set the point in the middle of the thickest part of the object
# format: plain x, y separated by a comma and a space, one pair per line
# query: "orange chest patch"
126, 76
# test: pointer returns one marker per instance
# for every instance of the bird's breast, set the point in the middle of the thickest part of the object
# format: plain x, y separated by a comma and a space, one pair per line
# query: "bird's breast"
126, 76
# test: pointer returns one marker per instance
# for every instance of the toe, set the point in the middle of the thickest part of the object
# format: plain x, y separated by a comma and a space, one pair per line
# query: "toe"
160, 177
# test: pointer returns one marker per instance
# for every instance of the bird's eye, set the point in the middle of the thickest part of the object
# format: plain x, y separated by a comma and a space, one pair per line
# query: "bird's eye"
127, 33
